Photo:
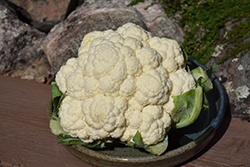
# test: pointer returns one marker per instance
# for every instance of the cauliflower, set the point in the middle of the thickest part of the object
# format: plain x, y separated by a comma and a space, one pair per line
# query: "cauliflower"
121, 83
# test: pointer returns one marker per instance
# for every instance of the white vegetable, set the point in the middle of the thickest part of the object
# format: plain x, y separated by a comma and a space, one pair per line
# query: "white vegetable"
121, 83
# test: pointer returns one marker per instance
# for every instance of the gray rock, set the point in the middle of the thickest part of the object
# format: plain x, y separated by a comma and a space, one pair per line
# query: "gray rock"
157, 21
235, 76
37, 70
19, 43
64, 39
44, 14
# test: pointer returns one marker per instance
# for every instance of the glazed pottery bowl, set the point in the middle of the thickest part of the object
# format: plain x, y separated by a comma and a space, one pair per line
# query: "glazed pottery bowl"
183, 143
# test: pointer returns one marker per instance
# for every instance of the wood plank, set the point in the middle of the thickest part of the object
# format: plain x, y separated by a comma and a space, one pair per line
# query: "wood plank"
25, 136
229, 147
26, 139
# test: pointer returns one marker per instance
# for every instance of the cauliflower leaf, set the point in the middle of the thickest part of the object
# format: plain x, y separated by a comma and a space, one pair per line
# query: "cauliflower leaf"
156, 149
69, 140
202, 79
187, 107
159, 148
57, 97
55, 126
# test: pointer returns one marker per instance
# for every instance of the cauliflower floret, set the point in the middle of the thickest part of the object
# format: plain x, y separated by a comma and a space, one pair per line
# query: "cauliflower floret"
104, 116
72, 118
151, 122
121, 83
74, 90
134, 31
153, 87
170, 51
149, 58
182, 82
155, 124
134, 67
87, 40
64, 72
128, 87
133, 43
113, 36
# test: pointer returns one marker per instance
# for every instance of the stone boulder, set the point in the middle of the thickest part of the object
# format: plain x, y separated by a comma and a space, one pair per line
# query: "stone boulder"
157, 21
234, 74
44, 14
64, 39
19, 43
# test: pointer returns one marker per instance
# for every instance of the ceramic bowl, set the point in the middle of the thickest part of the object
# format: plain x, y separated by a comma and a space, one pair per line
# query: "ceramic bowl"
183, 143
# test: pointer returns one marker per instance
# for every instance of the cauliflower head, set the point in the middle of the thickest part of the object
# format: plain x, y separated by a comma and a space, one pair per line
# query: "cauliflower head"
120, 83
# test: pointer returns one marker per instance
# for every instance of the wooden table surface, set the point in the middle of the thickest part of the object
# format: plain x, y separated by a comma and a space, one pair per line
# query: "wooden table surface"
26, 140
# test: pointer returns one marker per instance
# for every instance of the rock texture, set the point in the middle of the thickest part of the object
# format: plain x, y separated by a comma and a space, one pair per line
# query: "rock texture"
157, 21
64, 39
234, 75
19, 43
44, 14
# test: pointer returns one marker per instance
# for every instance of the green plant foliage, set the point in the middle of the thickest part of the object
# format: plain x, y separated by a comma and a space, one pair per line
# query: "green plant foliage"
156, 149
69, 140
134, 2
57, 97
208, 23
204, 20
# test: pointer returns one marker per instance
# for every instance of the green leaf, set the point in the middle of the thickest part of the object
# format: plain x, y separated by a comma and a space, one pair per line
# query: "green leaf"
57, 97
202, 79
68, 140
159, 148
205, 102
130, 144
60, 101
55, 126
156, 149
55, 90
138, 140
134, 2
215, 68
187, 107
